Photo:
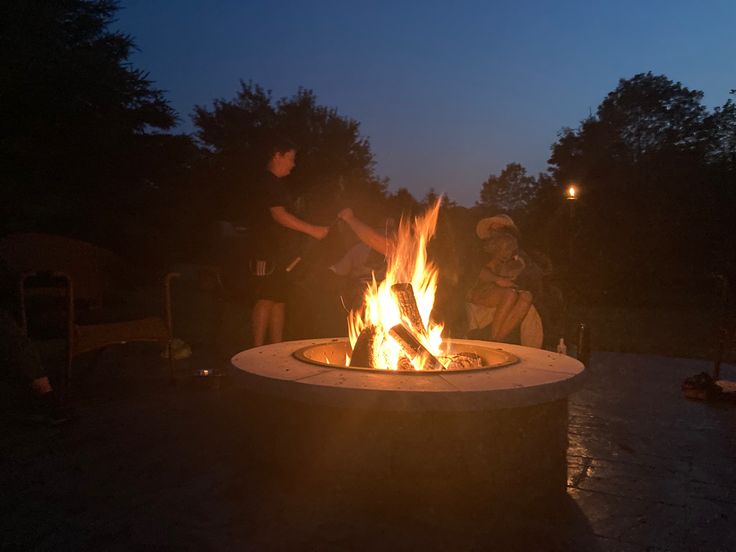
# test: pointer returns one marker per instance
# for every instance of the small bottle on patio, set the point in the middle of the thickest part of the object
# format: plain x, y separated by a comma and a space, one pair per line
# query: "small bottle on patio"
561, 347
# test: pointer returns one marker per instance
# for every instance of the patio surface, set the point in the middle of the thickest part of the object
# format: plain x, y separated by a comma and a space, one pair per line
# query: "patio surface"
151, 466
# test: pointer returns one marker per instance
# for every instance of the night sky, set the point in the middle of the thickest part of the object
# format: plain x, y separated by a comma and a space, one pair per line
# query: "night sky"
447, 93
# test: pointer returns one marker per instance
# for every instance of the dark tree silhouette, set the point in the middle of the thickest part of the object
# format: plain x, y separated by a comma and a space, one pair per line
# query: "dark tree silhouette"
510, 192
645, 162
334, 163
77, 117
402, 202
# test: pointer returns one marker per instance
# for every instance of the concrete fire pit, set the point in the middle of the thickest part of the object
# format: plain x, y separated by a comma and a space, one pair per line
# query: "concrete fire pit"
478, 440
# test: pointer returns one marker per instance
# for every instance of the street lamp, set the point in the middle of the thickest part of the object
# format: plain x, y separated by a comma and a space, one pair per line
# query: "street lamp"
571, 196
572, 193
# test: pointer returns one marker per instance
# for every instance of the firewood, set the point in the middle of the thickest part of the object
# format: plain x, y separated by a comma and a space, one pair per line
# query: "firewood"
413, 348
462, 361
364, 355
407, 301
404, 363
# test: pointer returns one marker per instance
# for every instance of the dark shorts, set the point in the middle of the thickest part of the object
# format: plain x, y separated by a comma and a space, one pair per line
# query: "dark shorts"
273, 284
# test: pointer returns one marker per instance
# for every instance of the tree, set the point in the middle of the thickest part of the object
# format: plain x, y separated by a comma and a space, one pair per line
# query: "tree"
721, 175
431, 197
721, 128
402, 203
334, 163
77, 117
642, 161
511, 191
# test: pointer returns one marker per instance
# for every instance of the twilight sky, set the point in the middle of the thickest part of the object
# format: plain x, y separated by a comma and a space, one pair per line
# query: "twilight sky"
447, 92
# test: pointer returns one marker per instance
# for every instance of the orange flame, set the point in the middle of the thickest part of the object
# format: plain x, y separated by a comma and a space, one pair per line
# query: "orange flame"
407, 262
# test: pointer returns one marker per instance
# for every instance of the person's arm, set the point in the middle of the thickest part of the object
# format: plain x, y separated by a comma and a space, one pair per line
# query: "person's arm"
286, 219
487, 275
365, 233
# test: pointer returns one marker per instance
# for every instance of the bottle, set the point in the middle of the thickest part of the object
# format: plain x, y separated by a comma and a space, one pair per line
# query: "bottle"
583, 343
561, 347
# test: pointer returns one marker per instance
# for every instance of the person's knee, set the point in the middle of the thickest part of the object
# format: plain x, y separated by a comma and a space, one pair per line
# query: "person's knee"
508, 295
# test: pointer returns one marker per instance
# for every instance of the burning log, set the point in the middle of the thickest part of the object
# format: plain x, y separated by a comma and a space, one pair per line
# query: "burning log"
404, 294
364, 352
404, 363
413, 348
462, 361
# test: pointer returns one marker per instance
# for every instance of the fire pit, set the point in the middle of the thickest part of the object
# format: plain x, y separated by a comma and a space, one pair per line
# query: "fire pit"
467, 440
397, 415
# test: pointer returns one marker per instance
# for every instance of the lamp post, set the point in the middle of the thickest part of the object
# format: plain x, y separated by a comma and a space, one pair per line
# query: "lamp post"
571, 197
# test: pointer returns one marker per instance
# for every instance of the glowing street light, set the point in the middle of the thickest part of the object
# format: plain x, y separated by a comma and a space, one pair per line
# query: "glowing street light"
571, 195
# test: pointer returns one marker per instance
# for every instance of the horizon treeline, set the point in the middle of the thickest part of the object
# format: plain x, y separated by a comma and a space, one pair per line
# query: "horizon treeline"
89, 150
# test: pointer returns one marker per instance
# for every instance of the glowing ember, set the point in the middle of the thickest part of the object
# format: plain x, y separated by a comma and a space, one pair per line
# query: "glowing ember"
387, 310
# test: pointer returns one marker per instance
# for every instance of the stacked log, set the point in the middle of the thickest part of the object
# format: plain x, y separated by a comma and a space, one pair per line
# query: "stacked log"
413, 348
364, 352
407, 301
407, 334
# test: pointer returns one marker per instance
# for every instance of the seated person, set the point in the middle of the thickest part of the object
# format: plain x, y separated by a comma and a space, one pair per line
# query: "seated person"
496, 285
356, 269
22, 361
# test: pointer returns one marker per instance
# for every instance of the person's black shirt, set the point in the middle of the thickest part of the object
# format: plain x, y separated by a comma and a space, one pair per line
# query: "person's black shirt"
271, 240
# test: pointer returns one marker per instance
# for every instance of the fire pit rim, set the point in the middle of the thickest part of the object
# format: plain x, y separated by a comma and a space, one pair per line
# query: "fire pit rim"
539, 377
508, 360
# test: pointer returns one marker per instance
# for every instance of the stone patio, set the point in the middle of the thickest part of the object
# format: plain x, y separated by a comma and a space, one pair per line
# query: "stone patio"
148, 465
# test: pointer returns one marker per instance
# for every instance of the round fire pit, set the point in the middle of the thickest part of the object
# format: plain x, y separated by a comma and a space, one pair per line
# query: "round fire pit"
479, 440
333, 354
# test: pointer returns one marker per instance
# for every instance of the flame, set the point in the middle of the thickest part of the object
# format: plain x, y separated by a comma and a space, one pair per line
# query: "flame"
406, 262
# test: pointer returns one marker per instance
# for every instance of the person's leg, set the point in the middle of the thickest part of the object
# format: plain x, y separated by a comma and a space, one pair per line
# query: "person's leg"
20, 354
507, 299
486, 295
495, 297
516, 314
260, 320
41, 385
25, 367
276, 323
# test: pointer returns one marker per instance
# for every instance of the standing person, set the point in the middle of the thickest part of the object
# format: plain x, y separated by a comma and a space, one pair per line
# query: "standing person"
275, 228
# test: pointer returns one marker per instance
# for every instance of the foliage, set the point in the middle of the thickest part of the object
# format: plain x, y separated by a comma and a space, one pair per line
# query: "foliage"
721, 128
77, 116
651, 164
334, 163
511, 191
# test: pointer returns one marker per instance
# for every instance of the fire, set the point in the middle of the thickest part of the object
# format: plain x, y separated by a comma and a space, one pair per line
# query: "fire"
407, 263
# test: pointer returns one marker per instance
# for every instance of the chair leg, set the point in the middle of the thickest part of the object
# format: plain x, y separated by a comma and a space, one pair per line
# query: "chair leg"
67, 376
